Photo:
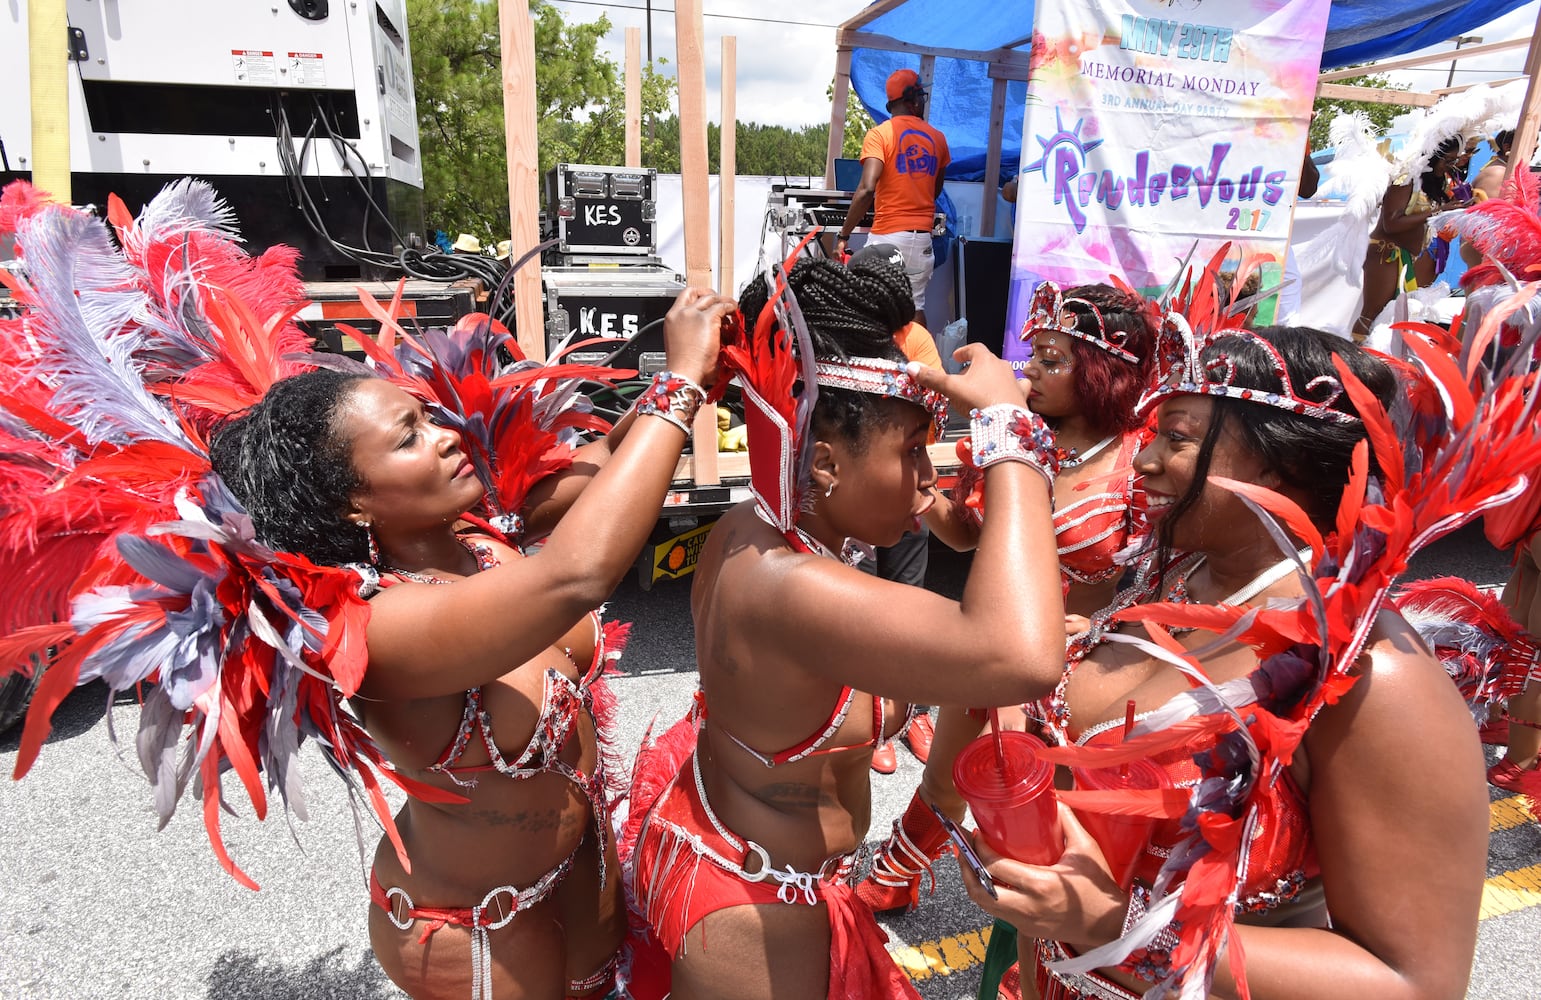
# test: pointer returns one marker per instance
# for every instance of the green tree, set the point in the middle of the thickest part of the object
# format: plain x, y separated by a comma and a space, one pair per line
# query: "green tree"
1328, 108
601, 136
457, 73
857, 123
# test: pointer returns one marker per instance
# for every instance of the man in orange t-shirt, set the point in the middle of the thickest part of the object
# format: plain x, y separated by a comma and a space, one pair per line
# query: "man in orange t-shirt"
902, 164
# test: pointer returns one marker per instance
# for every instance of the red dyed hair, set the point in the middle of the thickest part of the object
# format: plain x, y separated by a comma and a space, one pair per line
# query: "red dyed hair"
1107, 387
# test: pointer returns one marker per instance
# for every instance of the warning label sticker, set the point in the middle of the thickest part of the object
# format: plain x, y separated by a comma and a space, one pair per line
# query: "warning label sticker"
254, 66
307, 69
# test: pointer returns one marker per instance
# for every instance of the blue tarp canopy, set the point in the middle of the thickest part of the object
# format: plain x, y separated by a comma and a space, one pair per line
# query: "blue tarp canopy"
1358, 31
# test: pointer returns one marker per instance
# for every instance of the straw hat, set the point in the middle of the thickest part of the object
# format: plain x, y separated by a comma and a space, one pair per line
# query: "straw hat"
505, 247
466, 243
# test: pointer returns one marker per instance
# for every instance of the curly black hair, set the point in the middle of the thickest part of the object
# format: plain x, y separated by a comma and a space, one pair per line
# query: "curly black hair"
1432, 180
850, 312
1309, 455
286, 461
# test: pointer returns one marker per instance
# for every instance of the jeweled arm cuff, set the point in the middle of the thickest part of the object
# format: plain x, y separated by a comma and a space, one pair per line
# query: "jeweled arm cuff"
673, 397
1007, 433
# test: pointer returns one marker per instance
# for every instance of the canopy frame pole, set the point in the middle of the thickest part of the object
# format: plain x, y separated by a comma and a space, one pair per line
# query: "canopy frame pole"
696, 188
1530, 112
727, 160
837, 104
993, 158
1408, 62
517, 31
634, 97
927, 77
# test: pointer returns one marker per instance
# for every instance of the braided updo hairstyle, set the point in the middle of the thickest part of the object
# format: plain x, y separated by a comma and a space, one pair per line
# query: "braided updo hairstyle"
850, 312
285, 460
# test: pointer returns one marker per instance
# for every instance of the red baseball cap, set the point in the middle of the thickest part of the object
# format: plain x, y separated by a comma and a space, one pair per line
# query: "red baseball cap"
900, 82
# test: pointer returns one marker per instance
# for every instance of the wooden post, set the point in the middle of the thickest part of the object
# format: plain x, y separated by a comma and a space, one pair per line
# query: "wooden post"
993, 159
1530, 112
49, 80
837, 103
634, 97
927, 74
727, 169
695, 184
517, 31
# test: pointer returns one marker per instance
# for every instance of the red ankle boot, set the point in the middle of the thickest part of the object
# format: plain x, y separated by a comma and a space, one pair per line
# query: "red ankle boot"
904, 859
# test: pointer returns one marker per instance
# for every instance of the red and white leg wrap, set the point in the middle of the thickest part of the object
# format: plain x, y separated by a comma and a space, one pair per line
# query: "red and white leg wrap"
904, 859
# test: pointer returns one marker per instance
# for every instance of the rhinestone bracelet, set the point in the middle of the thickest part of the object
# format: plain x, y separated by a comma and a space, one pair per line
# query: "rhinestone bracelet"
673, 397
1007, 433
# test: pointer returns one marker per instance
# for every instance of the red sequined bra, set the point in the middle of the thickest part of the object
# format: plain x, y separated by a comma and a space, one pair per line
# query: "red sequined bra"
562, 700
1281, 859
1094, 528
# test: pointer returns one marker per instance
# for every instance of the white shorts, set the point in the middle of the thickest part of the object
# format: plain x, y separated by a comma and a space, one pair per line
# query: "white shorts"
918, 261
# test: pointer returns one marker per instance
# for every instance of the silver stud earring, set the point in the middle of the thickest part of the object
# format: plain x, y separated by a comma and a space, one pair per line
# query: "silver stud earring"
829, 490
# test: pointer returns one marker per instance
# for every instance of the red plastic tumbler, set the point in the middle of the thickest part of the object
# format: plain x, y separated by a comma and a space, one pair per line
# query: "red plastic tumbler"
1122, 838
1015, 808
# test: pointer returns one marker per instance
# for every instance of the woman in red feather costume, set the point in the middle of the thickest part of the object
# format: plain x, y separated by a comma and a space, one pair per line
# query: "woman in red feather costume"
482, 659
1506, 231
1091, 359
742, 864
325, 570
1293, 787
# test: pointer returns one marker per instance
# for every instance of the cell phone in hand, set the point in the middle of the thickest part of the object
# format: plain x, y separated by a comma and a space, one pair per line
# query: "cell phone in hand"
966, 852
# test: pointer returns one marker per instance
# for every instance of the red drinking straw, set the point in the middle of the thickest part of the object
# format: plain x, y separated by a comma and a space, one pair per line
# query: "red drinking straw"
1123, 770
1000, 746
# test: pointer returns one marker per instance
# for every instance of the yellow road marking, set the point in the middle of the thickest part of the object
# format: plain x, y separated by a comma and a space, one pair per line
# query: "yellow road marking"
1511, 891
944, 957
1501, 894
1507, 813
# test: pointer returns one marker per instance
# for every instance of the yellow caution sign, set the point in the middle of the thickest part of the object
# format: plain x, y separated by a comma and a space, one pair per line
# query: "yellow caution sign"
677, 556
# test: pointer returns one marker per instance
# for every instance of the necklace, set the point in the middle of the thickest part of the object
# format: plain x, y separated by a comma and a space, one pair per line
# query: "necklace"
1267, 578
480, 551
1077, 647
1072, 458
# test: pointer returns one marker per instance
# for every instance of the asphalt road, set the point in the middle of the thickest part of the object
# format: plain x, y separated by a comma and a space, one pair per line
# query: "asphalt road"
94, 903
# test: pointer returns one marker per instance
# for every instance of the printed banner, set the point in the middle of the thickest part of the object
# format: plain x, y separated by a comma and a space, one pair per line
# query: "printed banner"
1155, 124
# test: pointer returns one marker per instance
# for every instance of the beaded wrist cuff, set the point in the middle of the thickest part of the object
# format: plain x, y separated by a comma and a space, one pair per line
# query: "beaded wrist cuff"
1007, 433
673, 397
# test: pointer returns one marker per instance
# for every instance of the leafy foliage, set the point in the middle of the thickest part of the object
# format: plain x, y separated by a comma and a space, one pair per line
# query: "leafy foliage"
772, 150
580, 113
456, 69
857, 122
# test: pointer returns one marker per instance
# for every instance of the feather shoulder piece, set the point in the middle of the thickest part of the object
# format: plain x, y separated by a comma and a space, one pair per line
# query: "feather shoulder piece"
123, 556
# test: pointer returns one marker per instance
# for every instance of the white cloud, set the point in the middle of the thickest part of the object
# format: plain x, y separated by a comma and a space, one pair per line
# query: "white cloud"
1518, 23
784, 68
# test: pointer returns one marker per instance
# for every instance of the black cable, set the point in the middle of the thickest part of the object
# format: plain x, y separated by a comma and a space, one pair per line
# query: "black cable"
343, 147
424, 265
